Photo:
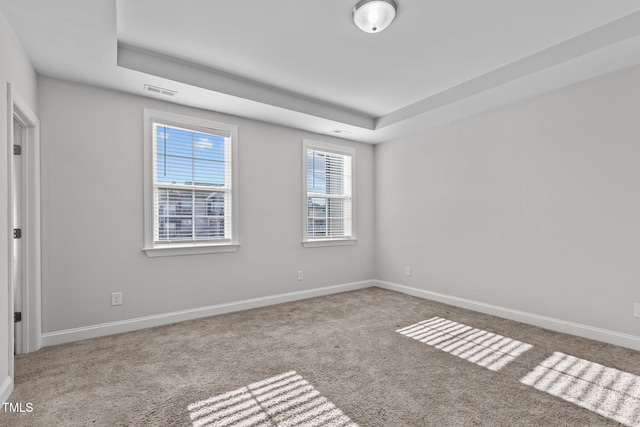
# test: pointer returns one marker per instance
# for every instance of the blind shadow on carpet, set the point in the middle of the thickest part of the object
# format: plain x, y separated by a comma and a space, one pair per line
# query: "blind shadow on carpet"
606, 391
282, 400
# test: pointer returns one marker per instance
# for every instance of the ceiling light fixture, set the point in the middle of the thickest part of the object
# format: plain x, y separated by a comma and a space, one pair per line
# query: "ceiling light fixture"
373, 16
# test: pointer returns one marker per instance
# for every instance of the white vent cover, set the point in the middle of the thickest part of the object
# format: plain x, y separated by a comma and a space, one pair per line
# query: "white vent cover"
159, 90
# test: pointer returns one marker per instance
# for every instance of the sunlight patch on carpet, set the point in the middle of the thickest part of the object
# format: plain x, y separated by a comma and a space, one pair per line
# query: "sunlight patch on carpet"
286, 400
606, 391
483, 348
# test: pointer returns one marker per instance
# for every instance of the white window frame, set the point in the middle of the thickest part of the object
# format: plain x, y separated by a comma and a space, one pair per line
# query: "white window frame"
155, 249
307, 241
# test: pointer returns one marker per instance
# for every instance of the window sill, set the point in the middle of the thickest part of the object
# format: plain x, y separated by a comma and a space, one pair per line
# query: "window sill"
329, 242
176, 250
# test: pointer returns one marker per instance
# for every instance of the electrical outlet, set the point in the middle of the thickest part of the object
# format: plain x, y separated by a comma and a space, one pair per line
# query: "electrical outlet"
300, 275
636, 309
116, 298
407, 271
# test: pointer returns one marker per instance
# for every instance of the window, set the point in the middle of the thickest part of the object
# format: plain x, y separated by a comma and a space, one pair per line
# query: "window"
328, 194
190, 185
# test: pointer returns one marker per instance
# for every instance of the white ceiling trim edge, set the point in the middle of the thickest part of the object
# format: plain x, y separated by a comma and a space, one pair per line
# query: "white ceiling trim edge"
599, 51
179, 70
607, 35
583, 68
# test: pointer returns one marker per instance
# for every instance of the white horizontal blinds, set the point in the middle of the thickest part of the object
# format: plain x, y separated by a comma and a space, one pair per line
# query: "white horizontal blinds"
329, 200
192, 184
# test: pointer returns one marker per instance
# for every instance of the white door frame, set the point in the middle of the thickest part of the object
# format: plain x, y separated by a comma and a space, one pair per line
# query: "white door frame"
31, 245
16, 221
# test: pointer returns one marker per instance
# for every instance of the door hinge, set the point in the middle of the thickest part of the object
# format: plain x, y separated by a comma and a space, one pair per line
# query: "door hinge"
17, 317
17, 149
17, 233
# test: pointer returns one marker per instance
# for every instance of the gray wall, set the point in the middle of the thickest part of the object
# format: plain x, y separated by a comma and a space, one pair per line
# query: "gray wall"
92, 215
16, 69
534, 207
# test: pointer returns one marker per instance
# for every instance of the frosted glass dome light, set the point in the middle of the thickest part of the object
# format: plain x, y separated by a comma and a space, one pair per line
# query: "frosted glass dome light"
373, 16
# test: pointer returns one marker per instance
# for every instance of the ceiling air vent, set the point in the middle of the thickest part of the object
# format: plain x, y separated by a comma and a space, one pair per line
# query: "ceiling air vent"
341, 131
159, 90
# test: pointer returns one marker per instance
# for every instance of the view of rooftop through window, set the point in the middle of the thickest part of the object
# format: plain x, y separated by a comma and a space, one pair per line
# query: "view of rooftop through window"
192, 184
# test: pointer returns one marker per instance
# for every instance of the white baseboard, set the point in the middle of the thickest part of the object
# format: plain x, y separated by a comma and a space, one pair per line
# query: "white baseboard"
94, 331
5, 389
604, 335
76, 334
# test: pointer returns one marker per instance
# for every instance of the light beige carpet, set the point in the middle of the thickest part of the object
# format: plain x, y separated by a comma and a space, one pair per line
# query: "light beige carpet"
370, 358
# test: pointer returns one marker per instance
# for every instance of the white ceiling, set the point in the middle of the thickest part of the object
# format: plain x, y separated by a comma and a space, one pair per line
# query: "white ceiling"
305, 64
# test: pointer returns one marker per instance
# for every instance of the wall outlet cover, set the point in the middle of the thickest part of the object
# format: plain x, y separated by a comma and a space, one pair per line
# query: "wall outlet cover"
116, 298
